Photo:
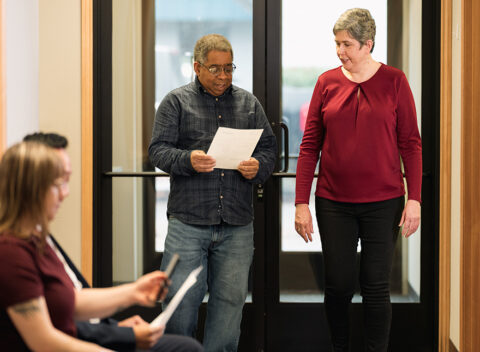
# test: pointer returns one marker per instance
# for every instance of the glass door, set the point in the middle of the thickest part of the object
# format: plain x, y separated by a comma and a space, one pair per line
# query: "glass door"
143, 49
294, 275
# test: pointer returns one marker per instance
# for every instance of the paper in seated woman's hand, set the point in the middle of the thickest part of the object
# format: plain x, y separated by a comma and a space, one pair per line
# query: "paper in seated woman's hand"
146, 288
303, 222
410, 217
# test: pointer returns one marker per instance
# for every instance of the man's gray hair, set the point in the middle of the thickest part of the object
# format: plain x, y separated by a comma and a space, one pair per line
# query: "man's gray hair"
359, 24
208, 43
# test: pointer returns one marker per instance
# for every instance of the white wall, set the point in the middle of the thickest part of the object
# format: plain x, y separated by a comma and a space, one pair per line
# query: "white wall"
43, 82
59, 92
21, 64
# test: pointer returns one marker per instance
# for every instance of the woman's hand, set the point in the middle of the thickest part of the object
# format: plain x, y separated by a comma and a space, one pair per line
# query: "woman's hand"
410, 217
146, 336
303, 222
103, 302
147, 287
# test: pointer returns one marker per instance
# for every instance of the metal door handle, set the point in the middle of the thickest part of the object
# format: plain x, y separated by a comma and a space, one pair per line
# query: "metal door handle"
285, 144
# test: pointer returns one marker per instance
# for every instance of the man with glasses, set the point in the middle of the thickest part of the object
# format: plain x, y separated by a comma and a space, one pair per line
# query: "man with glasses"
210, 210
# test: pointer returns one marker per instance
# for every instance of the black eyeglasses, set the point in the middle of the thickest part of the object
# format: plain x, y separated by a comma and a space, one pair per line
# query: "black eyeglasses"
217, 69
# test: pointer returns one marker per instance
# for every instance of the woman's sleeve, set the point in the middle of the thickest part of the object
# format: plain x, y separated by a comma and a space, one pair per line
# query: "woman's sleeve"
19, 278
408, 139
310, 148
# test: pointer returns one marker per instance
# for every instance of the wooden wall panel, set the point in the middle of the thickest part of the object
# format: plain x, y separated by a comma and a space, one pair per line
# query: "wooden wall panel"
87, 138
470, 246
445, 175
452, 347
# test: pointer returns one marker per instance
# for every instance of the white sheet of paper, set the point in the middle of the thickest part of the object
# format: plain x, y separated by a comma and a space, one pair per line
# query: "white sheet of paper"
230, 146
163, 317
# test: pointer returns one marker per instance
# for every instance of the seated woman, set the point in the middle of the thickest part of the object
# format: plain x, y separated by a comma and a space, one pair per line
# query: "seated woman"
38, 302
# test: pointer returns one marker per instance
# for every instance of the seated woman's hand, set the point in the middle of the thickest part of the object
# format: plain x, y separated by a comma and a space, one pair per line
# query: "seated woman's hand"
147, 287
145, 335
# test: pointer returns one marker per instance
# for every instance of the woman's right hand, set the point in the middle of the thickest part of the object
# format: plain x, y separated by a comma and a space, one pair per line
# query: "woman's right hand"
303, 222
146, 288
146, 336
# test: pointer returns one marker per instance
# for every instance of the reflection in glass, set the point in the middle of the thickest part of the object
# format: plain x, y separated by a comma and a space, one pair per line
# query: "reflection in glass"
308, 50
301, 66
127, 229
178, 25
291, 241
162, 188
127, 151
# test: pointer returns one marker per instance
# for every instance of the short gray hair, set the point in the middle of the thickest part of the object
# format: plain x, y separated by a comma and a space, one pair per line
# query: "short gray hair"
359, 24
208, 43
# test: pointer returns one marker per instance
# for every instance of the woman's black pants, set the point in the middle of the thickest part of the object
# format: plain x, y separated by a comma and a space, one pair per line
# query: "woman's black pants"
341, 225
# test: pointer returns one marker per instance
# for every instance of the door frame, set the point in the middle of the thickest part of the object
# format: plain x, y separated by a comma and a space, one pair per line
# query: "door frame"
301, 315
266, 46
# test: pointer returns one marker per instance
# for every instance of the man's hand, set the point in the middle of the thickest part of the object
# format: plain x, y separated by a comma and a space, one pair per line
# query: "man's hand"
202, 162
249, 168
146, 336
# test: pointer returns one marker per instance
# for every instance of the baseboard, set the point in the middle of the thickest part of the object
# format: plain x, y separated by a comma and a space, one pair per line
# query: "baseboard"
452, 347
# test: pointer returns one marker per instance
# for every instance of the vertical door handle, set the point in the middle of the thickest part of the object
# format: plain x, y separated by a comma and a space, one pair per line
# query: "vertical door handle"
285, 144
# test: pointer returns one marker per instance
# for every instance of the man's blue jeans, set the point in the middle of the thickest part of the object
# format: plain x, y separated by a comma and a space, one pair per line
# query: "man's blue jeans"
225, 252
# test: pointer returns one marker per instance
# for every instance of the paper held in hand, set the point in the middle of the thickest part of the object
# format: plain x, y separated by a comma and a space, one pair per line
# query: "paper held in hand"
163, 317
230, 146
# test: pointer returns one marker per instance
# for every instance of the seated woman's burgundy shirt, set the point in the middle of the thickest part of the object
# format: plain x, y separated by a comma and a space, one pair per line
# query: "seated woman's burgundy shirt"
27, 273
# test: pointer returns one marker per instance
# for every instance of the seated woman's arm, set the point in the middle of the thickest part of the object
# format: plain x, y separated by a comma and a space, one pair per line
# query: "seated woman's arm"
32, 321
103, 302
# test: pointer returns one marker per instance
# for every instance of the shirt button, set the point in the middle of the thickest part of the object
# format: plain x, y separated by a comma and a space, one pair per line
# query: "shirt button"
221, 197
219, 116
223, 174
216, 99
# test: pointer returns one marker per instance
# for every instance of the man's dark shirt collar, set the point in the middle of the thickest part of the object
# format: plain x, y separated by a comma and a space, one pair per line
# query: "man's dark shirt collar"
203, 90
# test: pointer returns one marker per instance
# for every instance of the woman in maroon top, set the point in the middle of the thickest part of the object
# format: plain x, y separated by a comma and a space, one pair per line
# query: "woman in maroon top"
38, 303
360, 122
